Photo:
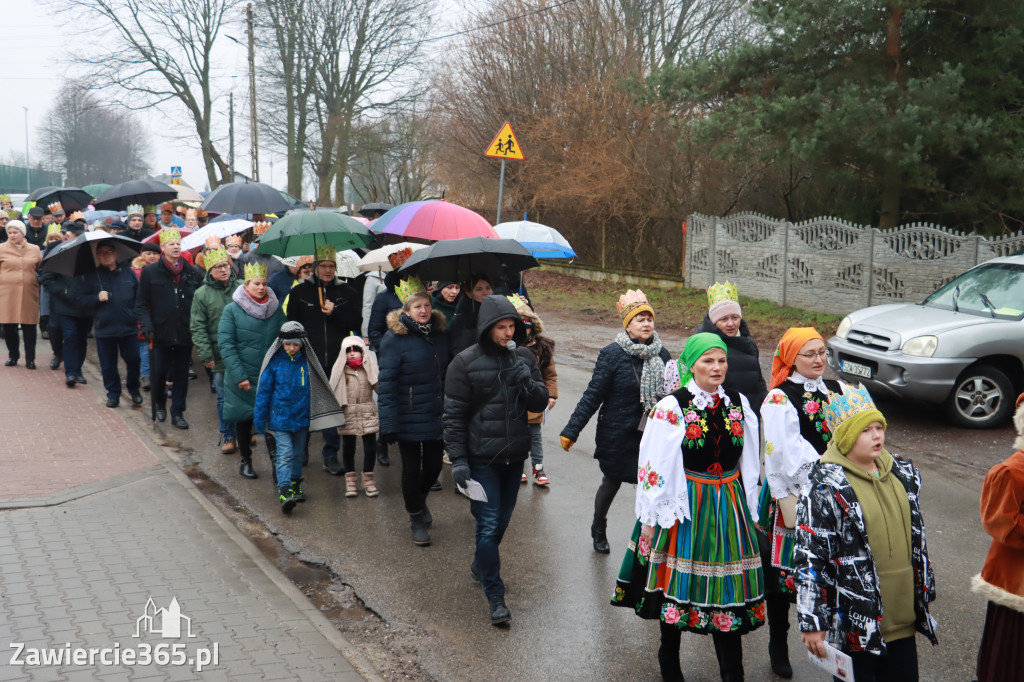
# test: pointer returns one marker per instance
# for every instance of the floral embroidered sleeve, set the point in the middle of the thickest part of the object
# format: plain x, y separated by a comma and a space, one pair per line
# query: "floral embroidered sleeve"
661, 497
789, 462
750, 459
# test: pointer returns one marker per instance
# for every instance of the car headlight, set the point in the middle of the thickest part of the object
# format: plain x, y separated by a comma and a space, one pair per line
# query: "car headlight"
921, 346
844, 328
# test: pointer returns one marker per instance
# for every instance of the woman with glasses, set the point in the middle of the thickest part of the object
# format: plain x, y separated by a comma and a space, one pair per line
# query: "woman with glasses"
795, 435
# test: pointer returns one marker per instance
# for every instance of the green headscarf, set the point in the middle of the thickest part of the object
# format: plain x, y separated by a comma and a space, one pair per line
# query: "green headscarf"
696, 346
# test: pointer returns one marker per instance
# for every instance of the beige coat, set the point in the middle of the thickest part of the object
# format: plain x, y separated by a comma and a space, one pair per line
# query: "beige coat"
19, 289
360, 410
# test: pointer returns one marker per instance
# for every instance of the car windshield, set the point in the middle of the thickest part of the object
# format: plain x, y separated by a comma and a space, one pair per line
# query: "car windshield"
995, 290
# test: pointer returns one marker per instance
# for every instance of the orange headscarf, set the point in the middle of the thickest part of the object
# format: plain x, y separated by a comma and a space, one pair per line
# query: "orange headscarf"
785, 355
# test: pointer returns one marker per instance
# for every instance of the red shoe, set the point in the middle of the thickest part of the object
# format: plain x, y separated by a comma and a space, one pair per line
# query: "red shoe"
525, 478
539, 477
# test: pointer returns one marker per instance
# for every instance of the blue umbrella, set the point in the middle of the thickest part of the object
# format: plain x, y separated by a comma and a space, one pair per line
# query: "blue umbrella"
540, 240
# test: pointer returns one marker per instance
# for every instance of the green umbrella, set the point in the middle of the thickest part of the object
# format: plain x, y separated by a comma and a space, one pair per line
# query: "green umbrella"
298, 234
96, 189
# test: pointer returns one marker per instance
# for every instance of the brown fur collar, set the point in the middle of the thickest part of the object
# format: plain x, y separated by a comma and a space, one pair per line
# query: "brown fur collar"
395, 322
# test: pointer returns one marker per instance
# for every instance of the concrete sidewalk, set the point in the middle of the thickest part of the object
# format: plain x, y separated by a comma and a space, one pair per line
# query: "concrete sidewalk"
115, 565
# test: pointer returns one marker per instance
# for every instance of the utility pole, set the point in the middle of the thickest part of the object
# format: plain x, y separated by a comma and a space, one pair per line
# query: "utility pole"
252, 97
231, 135
28, 165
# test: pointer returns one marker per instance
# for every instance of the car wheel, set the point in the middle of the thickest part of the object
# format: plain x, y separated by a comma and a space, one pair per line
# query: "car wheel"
981, 399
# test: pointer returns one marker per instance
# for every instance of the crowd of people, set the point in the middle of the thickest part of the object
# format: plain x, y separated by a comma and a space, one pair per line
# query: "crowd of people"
462, 372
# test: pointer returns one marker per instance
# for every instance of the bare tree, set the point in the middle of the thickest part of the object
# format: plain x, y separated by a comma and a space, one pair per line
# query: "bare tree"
91, 141
392, 160
157, 51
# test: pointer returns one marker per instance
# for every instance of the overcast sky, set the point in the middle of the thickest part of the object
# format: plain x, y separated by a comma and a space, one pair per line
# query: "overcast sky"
31, 75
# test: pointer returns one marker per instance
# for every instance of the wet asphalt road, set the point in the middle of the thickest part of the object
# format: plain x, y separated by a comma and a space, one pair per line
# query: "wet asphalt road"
558, 589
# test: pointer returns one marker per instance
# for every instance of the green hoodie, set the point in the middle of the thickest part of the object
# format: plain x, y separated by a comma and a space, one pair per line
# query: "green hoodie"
886, 511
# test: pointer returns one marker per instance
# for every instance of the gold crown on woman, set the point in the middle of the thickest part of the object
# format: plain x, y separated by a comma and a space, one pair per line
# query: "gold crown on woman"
843, 406
260, 226
255, 271
408, 288
398, 258
723, 293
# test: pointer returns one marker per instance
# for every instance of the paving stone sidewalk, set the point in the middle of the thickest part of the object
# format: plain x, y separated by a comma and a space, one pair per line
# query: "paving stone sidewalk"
81, 558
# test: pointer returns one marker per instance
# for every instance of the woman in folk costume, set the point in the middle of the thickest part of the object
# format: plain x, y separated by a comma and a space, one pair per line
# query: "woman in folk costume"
1002, 578
795, 435
626, 385
693, 562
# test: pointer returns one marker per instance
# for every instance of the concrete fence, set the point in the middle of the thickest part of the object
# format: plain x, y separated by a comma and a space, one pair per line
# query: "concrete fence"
830, 265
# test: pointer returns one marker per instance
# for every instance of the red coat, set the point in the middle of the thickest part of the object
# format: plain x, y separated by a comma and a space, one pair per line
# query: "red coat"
1002, 515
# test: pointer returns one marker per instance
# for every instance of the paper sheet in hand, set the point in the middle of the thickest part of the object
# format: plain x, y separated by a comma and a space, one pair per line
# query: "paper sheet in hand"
835, 663
473, 490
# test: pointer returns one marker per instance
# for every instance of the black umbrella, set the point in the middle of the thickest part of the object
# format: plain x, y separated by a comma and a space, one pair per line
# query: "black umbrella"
78, 256
371, 210
457, 260
246, 197
70, 198
119, 197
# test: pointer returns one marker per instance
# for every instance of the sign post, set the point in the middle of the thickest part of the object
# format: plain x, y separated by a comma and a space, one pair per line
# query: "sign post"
175, 175
504, 146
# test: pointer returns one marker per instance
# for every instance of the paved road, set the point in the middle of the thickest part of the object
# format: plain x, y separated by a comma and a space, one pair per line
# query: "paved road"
558, 588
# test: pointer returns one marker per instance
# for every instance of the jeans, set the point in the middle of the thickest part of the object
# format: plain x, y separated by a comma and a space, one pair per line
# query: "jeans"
536, 444
227, 429
290, 447
348, 452
169, 362
898, 664
11, 339
143, 357
74, 334
501, 483
421, 465
107, 348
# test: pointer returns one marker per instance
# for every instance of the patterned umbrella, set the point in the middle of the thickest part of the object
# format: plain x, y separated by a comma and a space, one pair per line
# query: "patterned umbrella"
433, 220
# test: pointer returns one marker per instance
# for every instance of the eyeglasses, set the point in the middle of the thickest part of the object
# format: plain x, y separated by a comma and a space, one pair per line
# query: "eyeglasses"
814, 355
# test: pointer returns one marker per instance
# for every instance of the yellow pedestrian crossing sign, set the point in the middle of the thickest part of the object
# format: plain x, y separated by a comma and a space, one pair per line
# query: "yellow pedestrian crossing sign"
505, 145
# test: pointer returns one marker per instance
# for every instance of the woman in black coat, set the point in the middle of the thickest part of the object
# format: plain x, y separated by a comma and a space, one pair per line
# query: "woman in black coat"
725, 318
626, 384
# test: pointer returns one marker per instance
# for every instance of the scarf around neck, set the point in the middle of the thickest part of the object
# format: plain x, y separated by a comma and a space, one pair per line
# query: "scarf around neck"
175, 268
654, 367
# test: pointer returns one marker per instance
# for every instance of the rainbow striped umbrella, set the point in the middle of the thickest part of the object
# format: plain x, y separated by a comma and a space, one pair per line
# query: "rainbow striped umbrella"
433, 220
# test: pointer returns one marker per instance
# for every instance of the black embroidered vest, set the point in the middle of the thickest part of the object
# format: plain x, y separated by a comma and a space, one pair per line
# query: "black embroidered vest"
812, 426
718, 449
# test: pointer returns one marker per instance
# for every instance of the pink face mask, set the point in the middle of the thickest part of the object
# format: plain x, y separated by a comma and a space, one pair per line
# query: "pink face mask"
355, 362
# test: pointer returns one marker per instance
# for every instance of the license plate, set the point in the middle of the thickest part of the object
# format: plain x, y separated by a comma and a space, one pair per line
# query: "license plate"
855, 369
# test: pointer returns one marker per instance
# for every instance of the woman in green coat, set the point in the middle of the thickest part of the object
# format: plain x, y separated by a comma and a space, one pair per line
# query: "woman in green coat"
247, 329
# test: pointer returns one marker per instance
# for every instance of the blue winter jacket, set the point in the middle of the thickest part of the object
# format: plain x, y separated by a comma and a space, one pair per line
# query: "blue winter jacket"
116, 316
410, 385
385, 302
282, 396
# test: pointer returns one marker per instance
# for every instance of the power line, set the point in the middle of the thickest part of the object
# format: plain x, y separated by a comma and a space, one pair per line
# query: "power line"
496, 23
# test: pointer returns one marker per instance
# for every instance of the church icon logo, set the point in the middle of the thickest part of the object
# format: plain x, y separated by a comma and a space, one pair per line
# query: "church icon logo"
167, 623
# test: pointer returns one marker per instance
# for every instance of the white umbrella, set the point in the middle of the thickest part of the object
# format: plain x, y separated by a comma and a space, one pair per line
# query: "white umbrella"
187, 194
222, 229
378, 258
540, 240
348, 264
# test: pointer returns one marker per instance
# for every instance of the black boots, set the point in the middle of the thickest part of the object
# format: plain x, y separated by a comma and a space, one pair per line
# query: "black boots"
729, 649
245, 468
500, 615
778, 627
668, 653
597, 531
418, 524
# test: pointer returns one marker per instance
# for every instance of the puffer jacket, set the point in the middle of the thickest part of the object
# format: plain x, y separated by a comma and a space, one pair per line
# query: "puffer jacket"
837, 583
207, 307
245, 333
163, 307
744, 373
485, 413
614, 388
360, 411
410, 387
282, 399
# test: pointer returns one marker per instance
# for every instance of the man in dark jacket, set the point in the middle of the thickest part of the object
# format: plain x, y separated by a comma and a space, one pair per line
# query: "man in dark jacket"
329, 310
110, 292
136, 230
489, 389
163, 307
69, 319
36, 231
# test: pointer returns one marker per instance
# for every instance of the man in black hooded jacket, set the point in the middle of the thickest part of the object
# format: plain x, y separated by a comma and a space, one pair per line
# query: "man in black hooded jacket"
489, 389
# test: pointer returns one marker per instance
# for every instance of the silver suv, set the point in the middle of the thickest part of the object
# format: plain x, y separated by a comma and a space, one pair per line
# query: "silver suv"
963, 346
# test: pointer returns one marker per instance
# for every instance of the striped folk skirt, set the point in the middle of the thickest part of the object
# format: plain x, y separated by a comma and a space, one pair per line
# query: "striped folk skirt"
779, 568
702, 574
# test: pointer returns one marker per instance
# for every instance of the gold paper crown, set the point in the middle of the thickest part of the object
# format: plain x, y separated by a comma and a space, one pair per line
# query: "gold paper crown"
303, 261
722, 293
170, 234
148, 208
234, 240
325, 252
255, 271
398, 258
53, 228
134, 209
55, 207
260, 227
843, 406
518, 301
5, 198
631, 304
213, 242
77, 215
408, 288
215, 257
190, 214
